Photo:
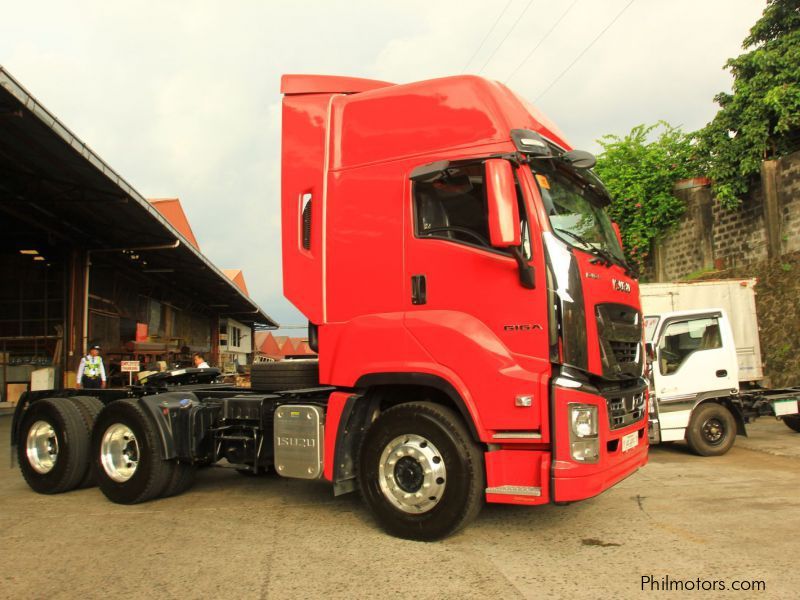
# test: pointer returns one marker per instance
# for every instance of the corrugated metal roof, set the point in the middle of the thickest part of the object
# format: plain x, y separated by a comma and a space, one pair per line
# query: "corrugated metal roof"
91, 204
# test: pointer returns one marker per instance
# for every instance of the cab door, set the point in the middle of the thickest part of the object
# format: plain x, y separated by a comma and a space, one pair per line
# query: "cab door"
695, 355
465, 303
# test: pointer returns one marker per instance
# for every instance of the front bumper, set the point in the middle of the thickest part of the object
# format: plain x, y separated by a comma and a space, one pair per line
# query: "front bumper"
574, 480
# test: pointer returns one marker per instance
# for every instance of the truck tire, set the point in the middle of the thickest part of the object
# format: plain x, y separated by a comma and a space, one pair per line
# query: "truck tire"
284, 375
792, 422
53, 446
89, 407
182, 479
711, 431
126, 454
420, 473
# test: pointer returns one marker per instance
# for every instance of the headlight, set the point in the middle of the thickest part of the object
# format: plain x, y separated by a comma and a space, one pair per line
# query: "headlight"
584, 443
584, 420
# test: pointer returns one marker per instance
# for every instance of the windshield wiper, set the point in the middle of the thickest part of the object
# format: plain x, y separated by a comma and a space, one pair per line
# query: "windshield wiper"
603, 256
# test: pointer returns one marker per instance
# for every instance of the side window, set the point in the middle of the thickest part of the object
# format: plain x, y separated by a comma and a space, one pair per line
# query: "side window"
454, 208
683, 338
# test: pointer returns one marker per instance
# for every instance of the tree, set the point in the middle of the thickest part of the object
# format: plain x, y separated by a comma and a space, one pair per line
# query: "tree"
640, 173
761, 118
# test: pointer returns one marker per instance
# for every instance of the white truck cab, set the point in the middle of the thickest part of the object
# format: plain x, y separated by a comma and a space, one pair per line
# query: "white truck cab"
693, 364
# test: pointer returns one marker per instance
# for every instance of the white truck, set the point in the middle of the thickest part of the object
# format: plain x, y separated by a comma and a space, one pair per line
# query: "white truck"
705, 365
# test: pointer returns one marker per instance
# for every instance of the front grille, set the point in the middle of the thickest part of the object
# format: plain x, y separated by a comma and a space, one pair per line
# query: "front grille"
625, 409
625, 352
619, 331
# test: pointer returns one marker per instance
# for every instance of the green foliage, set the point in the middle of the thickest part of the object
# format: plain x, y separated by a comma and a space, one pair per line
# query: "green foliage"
694, 275
761, 119
640, 170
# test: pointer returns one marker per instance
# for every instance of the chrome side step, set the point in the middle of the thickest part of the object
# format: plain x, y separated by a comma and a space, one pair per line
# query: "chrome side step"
515, 490
517, 435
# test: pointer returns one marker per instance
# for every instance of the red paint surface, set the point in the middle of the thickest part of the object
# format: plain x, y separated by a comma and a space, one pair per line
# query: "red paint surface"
352, 144
577, 481
525, 468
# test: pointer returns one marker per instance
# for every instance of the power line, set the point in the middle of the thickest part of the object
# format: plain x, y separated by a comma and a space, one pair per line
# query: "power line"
541, 41
486, 37
508, 33
585, 50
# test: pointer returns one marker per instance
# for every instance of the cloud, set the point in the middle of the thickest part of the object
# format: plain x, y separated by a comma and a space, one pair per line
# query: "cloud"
182, 98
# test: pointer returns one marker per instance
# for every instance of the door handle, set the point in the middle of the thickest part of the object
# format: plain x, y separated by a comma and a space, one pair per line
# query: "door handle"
722, 373
419, 289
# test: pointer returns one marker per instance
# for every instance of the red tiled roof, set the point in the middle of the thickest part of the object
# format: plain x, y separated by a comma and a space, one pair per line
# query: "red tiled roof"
172, 211
281, 346
237, 277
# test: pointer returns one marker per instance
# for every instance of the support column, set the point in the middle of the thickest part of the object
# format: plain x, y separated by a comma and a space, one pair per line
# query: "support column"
772, 213
704, 220
73, 328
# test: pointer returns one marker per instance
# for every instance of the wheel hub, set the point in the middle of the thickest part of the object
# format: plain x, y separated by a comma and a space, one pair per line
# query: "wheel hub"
713, 431
119, 452
41, 447
412, 474
408, 474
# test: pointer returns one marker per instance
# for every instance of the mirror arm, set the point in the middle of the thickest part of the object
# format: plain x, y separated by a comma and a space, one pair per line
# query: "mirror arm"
527, 274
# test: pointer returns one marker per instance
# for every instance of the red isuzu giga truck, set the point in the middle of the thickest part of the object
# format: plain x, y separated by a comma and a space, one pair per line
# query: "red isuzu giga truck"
479, 331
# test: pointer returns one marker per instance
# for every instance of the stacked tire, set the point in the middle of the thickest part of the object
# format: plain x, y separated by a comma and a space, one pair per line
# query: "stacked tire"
284, 375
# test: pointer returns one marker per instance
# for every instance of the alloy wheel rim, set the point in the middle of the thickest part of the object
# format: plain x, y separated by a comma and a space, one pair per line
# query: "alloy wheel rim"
41, 447
411, 474
119, 452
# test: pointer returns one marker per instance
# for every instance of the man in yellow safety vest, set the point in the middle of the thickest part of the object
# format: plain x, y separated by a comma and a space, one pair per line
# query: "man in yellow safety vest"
91, 373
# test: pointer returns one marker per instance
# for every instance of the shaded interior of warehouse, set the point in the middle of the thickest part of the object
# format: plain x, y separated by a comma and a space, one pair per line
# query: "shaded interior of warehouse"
85, 259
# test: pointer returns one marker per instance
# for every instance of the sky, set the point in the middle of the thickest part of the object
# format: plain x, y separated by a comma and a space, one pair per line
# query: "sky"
182, 98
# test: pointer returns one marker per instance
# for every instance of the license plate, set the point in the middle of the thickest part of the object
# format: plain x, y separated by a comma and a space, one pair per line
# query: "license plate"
784, 407
630, 440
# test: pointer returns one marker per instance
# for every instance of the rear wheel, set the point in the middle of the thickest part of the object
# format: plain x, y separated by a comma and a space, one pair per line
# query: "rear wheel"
53, 446
420, 472
89, 407
126, 455
182, 479
712, 430
792, 422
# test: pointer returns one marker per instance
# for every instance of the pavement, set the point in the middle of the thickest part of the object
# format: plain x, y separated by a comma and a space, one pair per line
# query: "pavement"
701, 520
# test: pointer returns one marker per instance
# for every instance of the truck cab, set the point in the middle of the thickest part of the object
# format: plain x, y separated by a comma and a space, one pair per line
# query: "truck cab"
693, 364
448, 245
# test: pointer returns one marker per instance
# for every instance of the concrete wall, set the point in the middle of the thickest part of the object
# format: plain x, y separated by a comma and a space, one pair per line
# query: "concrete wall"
761, 239
766, 226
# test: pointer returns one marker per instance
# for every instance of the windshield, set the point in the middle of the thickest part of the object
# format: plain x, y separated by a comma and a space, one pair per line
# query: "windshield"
650, 324
574, 202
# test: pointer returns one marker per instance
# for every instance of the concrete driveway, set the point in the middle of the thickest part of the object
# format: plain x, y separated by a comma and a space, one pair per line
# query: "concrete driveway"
732, 518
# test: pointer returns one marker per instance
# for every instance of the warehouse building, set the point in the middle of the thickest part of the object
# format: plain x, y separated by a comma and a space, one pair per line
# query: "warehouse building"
85, 259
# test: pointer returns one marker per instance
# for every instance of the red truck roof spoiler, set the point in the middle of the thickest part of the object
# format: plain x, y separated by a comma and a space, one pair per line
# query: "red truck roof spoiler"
328, 84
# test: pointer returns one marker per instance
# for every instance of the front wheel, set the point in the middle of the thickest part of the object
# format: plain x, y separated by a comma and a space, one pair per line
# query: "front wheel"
792, 422
420, 472
711, 431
